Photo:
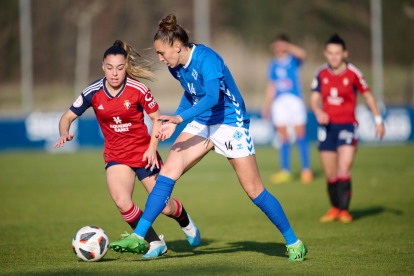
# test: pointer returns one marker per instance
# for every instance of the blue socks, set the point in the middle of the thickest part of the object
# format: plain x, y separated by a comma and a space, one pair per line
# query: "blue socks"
303, 152
274, 211
156, 202
285, 156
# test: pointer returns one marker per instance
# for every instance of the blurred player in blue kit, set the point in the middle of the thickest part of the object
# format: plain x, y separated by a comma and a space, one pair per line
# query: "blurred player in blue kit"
284, 105
220, 123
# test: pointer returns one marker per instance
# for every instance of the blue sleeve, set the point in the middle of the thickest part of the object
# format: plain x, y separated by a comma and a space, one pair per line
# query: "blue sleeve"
186, 103
211, 66
271, 72
81, 104
316, 84
298, 62
212, 89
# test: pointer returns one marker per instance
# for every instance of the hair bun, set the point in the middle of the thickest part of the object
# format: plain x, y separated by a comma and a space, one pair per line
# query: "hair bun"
169, 23
117, 44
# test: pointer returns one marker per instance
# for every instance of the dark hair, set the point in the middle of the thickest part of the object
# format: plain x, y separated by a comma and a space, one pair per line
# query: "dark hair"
282, 37
116, 49
136, 66
336, 39
169, 31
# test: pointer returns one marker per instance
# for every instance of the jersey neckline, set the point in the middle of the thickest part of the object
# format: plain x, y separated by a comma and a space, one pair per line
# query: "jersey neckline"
109, 94
190, 58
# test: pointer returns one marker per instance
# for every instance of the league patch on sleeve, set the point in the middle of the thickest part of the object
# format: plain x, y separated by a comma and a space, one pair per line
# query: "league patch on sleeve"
78, 102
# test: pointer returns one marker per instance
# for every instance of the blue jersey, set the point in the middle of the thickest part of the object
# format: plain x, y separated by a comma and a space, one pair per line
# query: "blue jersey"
285, 75
203, 66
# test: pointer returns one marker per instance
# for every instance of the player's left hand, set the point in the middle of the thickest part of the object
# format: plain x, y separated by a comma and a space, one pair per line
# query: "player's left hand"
151, 156
166, 131
379, 131
170, 119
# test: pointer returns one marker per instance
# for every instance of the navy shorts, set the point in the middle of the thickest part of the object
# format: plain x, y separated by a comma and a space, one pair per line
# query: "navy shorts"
140, 172
332, 136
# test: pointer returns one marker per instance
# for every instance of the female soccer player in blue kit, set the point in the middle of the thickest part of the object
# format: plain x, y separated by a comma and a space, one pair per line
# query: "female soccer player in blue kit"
284, 102
220, 122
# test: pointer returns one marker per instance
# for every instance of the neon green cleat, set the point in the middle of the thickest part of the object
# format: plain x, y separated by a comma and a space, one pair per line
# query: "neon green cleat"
282, 176
297, 252
128, 243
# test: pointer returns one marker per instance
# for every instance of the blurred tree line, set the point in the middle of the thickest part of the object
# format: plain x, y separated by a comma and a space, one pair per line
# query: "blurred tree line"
256, 23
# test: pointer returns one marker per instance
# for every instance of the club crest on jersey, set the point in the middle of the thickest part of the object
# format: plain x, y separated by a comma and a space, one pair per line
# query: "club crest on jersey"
194, 74
127, 104
237, 135
325, 80
346, 82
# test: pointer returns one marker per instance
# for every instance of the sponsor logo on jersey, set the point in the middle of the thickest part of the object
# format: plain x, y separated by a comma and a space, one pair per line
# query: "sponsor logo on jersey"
333, 99
239, 146
120, 127
127, 104
152, 104
148, 97
100, 107
237, 135
194, 74
78, 102
346, 81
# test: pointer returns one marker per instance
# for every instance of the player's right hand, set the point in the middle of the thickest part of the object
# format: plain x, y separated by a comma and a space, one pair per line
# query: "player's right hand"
166, 131
63, 139
322, 118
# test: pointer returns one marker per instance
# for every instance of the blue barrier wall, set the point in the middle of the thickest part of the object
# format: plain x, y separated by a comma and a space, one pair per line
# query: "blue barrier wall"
40, 130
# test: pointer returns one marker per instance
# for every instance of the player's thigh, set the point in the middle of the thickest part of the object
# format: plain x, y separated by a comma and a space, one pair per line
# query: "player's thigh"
187, 150
120, 180
282, 131
248, 175
329, 161
300, 131
346, 154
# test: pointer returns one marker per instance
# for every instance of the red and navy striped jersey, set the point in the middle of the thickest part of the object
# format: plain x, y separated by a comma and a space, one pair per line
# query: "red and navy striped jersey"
339, 92
121, 119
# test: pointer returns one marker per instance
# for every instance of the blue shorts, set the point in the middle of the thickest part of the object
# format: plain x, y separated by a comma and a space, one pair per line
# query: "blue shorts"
140, 172
332, 136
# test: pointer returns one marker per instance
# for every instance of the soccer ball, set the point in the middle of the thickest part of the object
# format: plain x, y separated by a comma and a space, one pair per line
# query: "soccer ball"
90, 243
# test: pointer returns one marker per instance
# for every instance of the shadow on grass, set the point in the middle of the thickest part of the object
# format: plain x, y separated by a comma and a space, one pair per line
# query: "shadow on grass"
180, 246
361, 213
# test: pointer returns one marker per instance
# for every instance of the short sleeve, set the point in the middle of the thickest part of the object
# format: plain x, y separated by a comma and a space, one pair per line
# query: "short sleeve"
297, 62
211, 66
316, 84
81, 104
147, 101
360, 84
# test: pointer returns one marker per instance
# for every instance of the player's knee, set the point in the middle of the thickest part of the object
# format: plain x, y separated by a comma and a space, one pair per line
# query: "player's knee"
169, 209
171, 171
254, 190
123, 204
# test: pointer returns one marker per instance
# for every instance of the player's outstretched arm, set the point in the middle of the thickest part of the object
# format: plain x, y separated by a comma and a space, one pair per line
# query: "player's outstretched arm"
296, 51
151, 154
64, 126
379, 126
321, 117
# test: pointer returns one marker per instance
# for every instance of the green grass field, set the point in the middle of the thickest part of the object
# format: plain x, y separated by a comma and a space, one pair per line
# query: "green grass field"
45, 199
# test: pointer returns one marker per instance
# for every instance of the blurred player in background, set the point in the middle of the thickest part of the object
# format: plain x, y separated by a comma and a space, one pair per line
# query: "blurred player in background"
337, 83
119, 101
220, 123
284, 104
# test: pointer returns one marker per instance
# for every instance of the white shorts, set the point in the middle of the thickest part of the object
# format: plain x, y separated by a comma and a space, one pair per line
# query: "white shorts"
288, 109
232, 142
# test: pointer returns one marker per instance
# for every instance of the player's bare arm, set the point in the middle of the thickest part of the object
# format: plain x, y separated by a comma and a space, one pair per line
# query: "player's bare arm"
379, 126
270, 94
64, 126
151, 154
321, 117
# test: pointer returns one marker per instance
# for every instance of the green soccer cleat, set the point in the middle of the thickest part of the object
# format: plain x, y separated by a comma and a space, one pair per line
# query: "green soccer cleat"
128, 243
297, 252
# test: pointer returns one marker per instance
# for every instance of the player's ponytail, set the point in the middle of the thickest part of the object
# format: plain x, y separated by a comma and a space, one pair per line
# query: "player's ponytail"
169, 31
136, 66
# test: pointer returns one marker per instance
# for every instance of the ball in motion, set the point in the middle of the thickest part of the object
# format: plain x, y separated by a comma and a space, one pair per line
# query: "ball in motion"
90, 243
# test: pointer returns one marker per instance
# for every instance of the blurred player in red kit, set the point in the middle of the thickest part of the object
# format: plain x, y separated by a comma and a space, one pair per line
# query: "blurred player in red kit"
337, 83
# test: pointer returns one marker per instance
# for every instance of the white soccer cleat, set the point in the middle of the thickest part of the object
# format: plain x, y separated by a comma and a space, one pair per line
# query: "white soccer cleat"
192, 233
157, 248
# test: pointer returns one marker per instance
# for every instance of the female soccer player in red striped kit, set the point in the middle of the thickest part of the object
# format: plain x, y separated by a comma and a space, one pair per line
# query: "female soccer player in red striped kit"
119, 101
336, 83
